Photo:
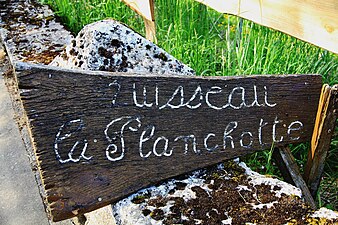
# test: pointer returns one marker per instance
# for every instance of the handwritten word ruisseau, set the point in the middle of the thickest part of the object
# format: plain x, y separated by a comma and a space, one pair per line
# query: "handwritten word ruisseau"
200, 97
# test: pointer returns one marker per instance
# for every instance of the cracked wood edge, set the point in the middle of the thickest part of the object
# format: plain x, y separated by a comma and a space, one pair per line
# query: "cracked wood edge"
290, 171
320, 144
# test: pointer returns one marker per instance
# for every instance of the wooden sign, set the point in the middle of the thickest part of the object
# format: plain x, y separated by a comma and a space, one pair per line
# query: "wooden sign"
101, 136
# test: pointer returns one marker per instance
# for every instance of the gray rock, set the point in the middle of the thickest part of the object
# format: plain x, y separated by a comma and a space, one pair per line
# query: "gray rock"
31, 32
110, 46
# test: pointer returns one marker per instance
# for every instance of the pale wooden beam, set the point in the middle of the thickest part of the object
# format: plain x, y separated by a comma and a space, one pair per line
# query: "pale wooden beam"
312, 21
145, 8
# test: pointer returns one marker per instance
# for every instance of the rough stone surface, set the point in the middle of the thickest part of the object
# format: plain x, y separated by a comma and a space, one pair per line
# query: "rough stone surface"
31, 31
102, 216
230, 193
110, 46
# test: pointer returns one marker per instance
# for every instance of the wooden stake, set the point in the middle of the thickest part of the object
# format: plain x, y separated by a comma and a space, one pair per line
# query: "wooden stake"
145, 8
321, 139
290, 171
150, 30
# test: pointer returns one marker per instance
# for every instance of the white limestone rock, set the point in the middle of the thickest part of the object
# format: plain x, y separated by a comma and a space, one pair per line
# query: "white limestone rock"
325, 213
230, 194
110, 46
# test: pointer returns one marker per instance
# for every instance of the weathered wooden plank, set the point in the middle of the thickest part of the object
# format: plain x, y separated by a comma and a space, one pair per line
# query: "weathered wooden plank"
290, 171
101, 136
313, 21
321, 139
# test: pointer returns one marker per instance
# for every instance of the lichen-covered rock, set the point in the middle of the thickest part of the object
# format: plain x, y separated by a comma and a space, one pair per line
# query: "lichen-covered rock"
110, 46
230, 193
31, 31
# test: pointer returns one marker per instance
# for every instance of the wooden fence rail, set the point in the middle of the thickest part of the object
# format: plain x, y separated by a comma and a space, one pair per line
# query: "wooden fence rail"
312, 21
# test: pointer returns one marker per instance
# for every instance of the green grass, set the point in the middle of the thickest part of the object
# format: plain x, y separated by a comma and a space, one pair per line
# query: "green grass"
216, 44
209, 42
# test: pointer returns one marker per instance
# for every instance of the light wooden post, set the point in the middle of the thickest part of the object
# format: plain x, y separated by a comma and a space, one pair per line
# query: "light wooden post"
321, 139
312, 21
145, 8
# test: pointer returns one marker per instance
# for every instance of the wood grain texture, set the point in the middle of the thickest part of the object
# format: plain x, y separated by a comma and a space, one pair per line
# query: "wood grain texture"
101, 136
150, 30
312, 21
321, 139
290, 172
145, 8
